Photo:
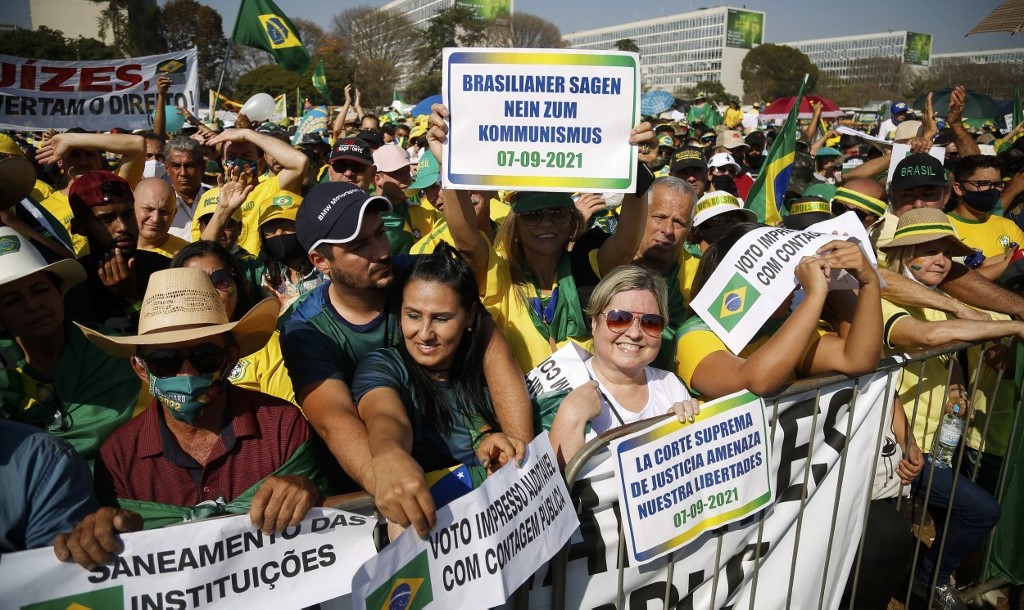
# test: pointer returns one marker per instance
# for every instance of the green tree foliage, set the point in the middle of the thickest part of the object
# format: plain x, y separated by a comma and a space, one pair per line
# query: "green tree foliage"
275, 80
46, 43
528, 31
187, 24
714, 90
627, 44
131, 25
456, 26
771, 71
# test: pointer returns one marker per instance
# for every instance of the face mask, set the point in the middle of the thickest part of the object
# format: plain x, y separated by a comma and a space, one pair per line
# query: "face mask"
755, 160
283, 247
186, 397
154, 169
724, 183
242, 163
982, 201
713, 234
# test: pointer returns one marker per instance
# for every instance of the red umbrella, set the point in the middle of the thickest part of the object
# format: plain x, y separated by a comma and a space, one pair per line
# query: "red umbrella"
779, 109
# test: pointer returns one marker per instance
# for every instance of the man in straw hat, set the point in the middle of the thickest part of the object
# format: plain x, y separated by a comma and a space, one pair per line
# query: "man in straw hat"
205, 446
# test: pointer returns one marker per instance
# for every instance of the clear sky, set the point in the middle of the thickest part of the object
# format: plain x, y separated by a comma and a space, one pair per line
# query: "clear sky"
786, 20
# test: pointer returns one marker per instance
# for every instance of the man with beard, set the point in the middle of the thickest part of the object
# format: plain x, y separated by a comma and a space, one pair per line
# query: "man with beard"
77, 152
117, 271
338, 323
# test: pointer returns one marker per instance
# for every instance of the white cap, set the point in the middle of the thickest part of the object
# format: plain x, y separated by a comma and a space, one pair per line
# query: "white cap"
20, 258
716, 203
723, 160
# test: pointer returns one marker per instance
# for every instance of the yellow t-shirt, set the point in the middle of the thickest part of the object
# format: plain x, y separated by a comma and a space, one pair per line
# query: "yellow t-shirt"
170, 247
249, 239
264, 371
687, 271
992, 236
694, 345
733, 117
57, 204
925, 413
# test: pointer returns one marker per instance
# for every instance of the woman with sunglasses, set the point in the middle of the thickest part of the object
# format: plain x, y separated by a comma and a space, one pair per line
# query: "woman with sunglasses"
263, 370
790, 344
50, 375
533, 285
424, 402
628, 311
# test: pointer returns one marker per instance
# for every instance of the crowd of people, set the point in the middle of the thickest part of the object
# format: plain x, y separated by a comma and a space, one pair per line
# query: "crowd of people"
217, 321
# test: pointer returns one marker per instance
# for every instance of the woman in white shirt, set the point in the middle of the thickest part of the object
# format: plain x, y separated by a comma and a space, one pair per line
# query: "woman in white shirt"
628, 311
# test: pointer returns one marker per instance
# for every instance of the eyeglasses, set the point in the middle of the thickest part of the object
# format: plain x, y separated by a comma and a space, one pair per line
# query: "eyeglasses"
341, 167
619, 321
205, 358
557, 216
984, 185
223, 279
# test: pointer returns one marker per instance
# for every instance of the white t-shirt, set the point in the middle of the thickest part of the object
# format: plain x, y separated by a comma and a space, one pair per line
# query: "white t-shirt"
663, 390
181, 225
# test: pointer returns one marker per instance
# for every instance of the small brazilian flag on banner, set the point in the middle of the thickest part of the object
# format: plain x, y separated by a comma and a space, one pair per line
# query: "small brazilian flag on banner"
408, 589
262, 25
111, 598
736, 299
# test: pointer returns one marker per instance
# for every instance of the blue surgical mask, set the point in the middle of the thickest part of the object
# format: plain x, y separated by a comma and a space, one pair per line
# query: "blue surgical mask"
186, 397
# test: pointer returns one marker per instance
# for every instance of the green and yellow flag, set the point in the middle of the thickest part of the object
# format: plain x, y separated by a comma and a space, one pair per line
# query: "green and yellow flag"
262, 25
769, 191
320, 82
408, 589
111, 598
1018, 113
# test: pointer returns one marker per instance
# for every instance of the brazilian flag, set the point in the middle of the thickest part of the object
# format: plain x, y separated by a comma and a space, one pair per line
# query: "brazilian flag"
736, 299
111, 598
408, 589
262, 25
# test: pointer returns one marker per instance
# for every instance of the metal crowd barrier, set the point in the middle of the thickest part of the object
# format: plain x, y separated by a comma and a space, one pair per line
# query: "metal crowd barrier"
595, 449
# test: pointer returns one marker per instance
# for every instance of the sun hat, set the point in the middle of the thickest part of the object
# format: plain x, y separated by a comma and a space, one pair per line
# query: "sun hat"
19, 258
907, 130
391, 158
17, 174
922, 225
860, 201
524, 202
283, 206
333, 213
730, 139
719, 202
181, 305
428, 173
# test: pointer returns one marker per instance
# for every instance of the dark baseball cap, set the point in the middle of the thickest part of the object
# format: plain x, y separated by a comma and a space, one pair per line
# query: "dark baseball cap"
806, 211
371, 137
917, 170
687, 156
97, 188
333, 213
351, 149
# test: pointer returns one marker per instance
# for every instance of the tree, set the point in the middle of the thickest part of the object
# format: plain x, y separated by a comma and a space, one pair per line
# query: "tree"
526, 31
714, 90
456, 26
47, 43
187, 24
380, 46
873, 78
275, 80
627, 44
245, 59
131, 24
770, 71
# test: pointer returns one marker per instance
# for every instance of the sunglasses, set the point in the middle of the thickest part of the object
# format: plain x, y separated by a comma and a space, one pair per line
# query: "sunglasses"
619, 321
205, 358
222, 279
341, 167
839, 209
557, 216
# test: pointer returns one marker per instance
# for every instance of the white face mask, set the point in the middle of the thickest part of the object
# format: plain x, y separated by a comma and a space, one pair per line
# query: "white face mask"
154, 169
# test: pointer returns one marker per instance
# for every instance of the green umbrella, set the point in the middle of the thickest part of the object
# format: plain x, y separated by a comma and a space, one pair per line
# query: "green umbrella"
976, 105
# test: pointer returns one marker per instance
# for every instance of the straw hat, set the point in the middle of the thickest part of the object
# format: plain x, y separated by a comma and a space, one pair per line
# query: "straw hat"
19, 258
182, 305
923, 225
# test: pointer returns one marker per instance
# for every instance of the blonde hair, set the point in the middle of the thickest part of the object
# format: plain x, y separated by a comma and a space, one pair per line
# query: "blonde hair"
507, 240
623, 279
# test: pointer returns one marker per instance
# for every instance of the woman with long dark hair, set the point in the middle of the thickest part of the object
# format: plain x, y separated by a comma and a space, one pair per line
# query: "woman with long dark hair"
424, 402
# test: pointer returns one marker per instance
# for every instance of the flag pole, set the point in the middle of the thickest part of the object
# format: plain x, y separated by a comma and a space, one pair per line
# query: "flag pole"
231, 49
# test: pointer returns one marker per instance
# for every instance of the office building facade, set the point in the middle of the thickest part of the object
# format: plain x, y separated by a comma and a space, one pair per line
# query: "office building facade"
844, 56
680, 50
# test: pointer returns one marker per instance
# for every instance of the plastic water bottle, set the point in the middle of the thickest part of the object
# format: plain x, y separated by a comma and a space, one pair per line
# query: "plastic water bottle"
945, 441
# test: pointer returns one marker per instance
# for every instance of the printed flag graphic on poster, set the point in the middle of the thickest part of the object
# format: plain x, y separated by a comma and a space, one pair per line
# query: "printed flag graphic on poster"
260, 24
736, 299
408, 589
110, 598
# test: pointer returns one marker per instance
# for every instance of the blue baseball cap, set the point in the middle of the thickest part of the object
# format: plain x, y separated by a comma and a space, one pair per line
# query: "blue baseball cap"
898, 108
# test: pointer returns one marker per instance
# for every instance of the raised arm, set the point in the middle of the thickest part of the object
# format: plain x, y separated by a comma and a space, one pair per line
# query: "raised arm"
621, 246
458, 207
812, 128
132, 150
965, 143
293, 161
338, 128
401, 491
232, 193
163, 83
